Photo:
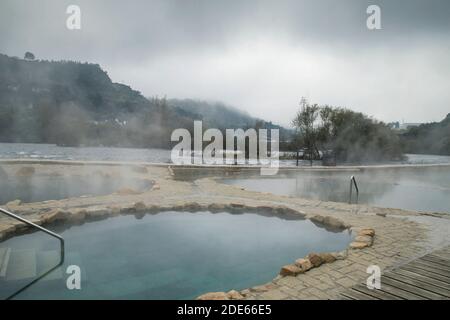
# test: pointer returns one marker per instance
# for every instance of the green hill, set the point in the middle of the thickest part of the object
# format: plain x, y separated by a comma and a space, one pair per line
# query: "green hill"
72, 103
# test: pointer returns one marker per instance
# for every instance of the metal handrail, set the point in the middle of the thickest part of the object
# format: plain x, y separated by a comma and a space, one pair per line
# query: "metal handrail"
57, 236
353, 182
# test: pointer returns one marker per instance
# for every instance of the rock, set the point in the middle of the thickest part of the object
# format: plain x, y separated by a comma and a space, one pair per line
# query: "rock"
245, 292
55, 215
213, 296
290, 270
237, 206
25, 172
303, 264
139, 206
317, 218
316, 260
366, 239
14, 203
327, 257
234, 295
358, 245
381, 214
366, 232
192, 206
216, 207
126, 191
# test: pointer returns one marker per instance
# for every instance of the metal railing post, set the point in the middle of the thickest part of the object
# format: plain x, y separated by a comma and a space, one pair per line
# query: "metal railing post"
353, 182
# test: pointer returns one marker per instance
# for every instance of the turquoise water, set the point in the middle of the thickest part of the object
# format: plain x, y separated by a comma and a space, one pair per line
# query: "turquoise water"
172, 255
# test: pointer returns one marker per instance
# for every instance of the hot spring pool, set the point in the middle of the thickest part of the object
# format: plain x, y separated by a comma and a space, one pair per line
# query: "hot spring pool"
409, 189
170, 255
44, 187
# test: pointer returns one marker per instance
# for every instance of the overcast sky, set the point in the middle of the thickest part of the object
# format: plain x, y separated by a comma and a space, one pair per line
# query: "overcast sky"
259, 56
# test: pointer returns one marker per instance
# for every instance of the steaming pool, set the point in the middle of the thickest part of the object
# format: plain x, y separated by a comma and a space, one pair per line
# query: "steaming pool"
38, 188
424, 189
170, 255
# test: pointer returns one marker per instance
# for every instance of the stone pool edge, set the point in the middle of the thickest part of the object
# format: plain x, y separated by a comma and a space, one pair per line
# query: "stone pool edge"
79, 216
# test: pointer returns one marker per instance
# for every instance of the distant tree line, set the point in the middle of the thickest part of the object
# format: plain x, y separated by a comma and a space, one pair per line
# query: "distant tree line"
429, 138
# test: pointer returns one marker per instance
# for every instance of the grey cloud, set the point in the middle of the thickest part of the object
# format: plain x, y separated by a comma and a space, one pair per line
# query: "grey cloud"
204, 49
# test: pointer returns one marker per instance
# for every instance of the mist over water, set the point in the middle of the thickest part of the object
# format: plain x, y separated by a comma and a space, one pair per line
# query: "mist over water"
42, 188
421, 189
418, 189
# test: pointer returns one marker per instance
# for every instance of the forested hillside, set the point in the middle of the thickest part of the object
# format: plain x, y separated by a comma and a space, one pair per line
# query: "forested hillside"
72, 103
